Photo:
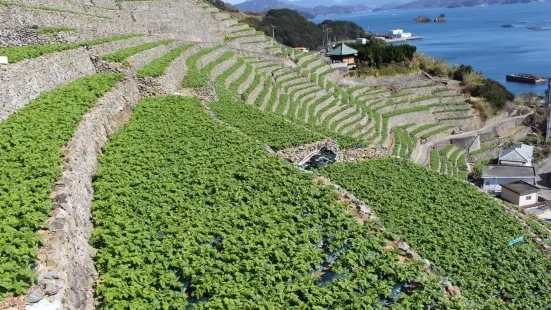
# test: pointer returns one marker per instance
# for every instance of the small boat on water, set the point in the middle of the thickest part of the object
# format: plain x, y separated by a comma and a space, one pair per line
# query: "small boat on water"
524, 78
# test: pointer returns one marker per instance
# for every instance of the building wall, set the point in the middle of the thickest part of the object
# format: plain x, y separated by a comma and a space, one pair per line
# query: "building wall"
494, 185
524, 201
510, 196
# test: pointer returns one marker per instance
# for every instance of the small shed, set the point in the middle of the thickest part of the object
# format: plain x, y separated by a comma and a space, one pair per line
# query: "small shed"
495, 175
344, 54
300, 49
520, 193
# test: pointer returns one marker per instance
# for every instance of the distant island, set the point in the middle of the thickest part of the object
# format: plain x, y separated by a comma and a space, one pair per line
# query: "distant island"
425, 19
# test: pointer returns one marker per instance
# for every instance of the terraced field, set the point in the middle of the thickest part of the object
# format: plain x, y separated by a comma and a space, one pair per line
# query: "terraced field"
138, 172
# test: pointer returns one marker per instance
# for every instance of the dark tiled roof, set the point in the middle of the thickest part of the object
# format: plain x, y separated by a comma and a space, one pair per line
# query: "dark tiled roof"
521, 187
505, 171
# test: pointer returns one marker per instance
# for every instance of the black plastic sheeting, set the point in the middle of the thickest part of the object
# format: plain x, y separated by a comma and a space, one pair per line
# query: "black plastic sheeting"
324, 158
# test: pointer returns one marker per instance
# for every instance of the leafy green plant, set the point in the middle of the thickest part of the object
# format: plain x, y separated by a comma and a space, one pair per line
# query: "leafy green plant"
461, 230
194, 78
157, 67
121, 55
30, 144
51, 30
18, 53
158, 248
484, 149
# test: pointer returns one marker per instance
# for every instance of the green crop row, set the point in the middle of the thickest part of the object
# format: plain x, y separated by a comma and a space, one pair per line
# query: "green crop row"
276, 232
446, 149
405, 141
18, 53
434, 162
422, 98
30, 146
194, 78
437, 131
465, 109
455, 155
415, 109
221, 79
266, 127
256, 81
207, 70
461, 230
158, 66
484, 149
121, 55
51, 30
423, 128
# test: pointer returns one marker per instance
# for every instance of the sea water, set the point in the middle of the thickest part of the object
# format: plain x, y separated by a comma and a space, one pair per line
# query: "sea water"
474, 36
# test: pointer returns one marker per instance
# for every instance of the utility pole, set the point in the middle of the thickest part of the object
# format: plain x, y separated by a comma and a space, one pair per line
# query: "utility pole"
323, 29
273, 31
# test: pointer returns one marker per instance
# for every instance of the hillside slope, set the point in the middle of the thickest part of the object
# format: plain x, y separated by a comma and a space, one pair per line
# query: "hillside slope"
150, 158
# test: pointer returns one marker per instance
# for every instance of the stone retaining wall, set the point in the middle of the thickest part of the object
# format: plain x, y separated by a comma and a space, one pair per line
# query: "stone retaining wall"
141, 59
26, 80
174, 75
65, 266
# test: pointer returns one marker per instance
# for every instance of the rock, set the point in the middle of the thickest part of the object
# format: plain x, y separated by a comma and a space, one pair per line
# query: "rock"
34, 297
57, 225
51, 289
61, 198
51, 263
403, 246
52, 274
426, 262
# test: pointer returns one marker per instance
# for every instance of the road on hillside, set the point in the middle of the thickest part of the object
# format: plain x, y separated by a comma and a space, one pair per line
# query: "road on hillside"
422, 155
543, 174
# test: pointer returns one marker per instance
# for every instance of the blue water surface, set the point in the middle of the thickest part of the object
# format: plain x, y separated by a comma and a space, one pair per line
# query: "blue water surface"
474, 36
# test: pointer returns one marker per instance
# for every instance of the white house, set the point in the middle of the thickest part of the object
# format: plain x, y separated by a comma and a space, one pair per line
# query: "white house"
520, 155
520, 193
495, 175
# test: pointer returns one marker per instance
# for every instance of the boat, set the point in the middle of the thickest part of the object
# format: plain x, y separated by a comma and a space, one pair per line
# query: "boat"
524, 78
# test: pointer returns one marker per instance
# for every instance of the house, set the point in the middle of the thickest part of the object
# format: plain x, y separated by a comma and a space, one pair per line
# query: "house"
520, 193
520, 155
495, 175
343, 54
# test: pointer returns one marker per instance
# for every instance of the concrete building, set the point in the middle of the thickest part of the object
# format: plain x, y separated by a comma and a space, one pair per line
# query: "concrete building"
495, 175
520, 193
399, 33
518, 155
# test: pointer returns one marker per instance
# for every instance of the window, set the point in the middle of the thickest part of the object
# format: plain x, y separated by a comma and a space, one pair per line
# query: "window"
529, 197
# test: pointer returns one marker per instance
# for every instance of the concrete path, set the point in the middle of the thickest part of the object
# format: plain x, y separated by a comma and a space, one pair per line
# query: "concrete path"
422, 152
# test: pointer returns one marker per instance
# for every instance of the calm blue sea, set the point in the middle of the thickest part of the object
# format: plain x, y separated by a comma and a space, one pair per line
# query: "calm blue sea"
474, 36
